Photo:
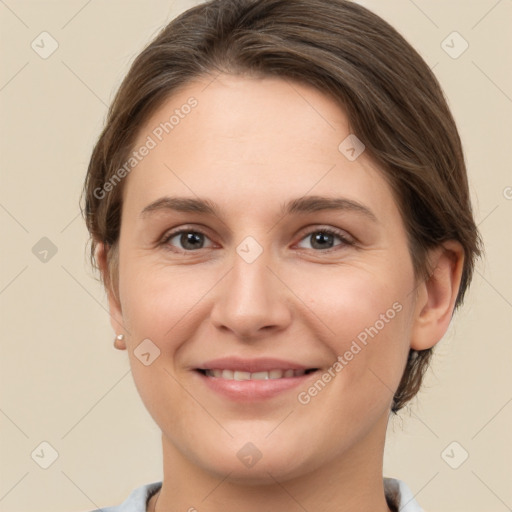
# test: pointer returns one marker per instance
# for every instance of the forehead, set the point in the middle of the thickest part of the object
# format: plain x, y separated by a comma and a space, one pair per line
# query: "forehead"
249, 139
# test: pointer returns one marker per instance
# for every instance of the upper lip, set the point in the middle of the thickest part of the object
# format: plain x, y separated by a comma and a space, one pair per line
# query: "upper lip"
263, 364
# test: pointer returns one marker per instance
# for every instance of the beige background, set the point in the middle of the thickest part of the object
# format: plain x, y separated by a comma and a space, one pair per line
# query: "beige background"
61, 380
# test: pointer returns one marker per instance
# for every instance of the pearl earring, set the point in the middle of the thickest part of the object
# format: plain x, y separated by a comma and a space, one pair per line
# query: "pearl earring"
118, 340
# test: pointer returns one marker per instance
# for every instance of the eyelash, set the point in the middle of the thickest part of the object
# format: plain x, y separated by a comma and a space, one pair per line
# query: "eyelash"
328, 231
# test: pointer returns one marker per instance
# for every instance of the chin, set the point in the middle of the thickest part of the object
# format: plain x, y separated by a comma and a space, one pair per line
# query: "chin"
249, 466
262, 474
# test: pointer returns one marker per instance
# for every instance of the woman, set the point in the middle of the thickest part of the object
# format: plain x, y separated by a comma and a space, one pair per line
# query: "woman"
279, 208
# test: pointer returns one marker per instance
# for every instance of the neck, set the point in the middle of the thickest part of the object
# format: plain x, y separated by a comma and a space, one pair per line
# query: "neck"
353, 481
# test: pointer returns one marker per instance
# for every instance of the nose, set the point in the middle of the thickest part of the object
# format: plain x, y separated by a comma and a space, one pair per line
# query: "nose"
251, 301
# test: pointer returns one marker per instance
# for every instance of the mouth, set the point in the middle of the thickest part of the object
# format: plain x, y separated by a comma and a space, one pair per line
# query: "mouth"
249, 380
241, 375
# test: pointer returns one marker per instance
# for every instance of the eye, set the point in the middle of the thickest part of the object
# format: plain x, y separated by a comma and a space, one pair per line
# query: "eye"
189, 240
324, 238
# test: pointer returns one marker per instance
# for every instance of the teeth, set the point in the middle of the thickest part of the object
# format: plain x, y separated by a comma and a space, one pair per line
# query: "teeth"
241, 375
259, 376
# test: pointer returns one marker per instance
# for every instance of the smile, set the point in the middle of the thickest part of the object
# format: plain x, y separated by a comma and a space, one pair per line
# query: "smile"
240, 375
253, 380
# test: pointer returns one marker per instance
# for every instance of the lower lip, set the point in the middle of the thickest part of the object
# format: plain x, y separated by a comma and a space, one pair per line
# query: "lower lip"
253, 390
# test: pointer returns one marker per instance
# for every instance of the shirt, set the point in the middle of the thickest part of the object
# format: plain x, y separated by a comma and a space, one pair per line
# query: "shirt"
398, 496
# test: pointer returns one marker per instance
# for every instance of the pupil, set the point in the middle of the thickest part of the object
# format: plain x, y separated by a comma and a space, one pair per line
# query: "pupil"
320, 238
191, 240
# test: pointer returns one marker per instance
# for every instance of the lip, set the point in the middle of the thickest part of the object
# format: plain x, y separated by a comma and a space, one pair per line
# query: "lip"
262, 364
252, 390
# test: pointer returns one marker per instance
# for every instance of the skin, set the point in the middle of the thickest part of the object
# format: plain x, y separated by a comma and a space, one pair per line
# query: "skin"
250, 145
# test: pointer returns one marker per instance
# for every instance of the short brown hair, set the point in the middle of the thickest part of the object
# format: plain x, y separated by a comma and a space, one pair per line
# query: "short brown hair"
392, 99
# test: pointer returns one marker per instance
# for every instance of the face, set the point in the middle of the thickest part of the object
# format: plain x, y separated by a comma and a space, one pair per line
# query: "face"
269, 273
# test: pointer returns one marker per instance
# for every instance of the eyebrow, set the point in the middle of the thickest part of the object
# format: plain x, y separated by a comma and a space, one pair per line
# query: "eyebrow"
306, 204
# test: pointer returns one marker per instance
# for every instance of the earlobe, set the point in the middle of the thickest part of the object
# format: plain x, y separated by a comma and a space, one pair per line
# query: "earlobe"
116, 315
437, 295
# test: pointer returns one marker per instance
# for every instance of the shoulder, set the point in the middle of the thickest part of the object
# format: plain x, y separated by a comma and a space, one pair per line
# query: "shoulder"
136, 501
400, 496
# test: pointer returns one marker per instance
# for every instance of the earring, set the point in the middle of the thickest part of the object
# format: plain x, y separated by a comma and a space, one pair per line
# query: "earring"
118, 342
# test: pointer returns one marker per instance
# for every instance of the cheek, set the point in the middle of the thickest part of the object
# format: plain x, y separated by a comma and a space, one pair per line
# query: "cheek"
367, 313
160, 304
355, 301
158, 300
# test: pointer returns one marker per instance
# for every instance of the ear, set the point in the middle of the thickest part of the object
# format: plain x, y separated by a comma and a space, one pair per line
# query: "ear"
436, 295
116, 315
